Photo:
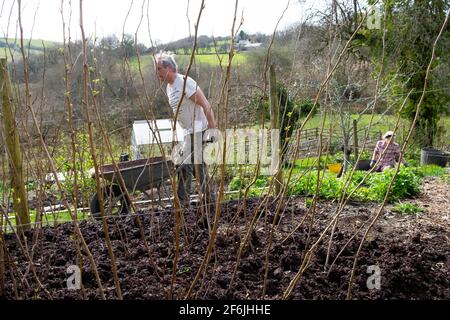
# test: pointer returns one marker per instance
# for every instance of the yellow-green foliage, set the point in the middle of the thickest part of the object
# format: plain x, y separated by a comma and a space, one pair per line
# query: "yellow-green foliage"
146, 61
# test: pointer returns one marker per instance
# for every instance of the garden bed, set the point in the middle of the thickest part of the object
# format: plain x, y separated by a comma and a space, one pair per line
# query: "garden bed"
411, 252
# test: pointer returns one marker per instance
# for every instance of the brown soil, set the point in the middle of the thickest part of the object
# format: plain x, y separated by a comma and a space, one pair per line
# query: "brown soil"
412, 252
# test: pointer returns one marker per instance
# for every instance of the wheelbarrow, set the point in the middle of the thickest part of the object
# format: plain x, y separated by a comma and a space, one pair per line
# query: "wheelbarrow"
138, 175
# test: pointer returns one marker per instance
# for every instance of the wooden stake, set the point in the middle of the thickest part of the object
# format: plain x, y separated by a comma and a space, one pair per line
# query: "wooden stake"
2, 265
355, 138
20, 200
275, 124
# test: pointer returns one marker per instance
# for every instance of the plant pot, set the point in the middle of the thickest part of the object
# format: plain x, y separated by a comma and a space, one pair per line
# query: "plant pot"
334, 167
433, 156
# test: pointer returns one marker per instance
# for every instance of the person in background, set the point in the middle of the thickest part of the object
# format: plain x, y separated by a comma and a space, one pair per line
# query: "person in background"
390, 156
195, 116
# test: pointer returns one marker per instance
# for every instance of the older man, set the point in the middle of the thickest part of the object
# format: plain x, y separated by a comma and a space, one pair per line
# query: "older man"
195, 116
387, 159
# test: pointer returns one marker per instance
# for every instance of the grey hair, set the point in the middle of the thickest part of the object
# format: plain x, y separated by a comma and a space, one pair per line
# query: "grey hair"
167, 60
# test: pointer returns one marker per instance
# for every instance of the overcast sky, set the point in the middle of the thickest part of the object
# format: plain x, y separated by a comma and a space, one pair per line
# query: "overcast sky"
167, 18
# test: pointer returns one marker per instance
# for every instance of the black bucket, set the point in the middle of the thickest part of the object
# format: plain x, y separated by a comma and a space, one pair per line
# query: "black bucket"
434, 156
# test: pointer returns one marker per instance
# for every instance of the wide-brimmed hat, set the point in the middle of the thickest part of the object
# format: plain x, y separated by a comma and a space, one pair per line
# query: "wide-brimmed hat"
388, 134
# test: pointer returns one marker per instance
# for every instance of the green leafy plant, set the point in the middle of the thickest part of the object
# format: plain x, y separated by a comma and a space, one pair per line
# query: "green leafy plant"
235, 184
406, 184
31, 186
238, 183
331, 187
446, 178
305, 106
407, 208
308, 202
430, 170
184, 269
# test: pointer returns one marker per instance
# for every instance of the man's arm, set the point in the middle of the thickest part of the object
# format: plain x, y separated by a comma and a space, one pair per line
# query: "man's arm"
199, 98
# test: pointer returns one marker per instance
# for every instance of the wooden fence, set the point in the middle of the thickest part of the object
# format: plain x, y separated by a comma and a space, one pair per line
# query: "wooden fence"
309, 142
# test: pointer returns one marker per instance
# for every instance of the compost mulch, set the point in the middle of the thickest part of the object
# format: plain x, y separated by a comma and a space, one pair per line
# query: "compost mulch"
412, 255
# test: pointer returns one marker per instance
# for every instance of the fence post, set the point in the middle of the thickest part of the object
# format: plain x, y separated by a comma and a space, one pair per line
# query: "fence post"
355, 138
20, 200
2, 264
275, 124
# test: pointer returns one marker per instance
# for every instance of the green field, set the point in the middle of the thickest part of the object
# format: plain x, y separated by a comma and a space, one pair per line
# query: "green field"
380, 123
33, 47
146, 61
213, 59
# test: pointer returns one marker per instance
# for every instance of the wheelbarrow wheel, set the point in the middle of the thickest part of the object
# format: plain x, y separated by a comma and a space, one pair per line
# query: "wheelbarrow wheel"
114, 202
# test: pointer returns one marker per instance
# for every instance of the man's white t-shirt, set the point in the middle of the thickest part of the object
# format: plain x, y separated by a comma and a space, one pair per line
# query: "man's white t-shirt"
191, 115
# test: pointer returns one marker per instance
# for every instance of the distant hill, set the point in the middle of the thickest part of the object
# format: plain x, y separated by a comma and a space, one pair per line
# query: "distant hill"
207, 44
35, 46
